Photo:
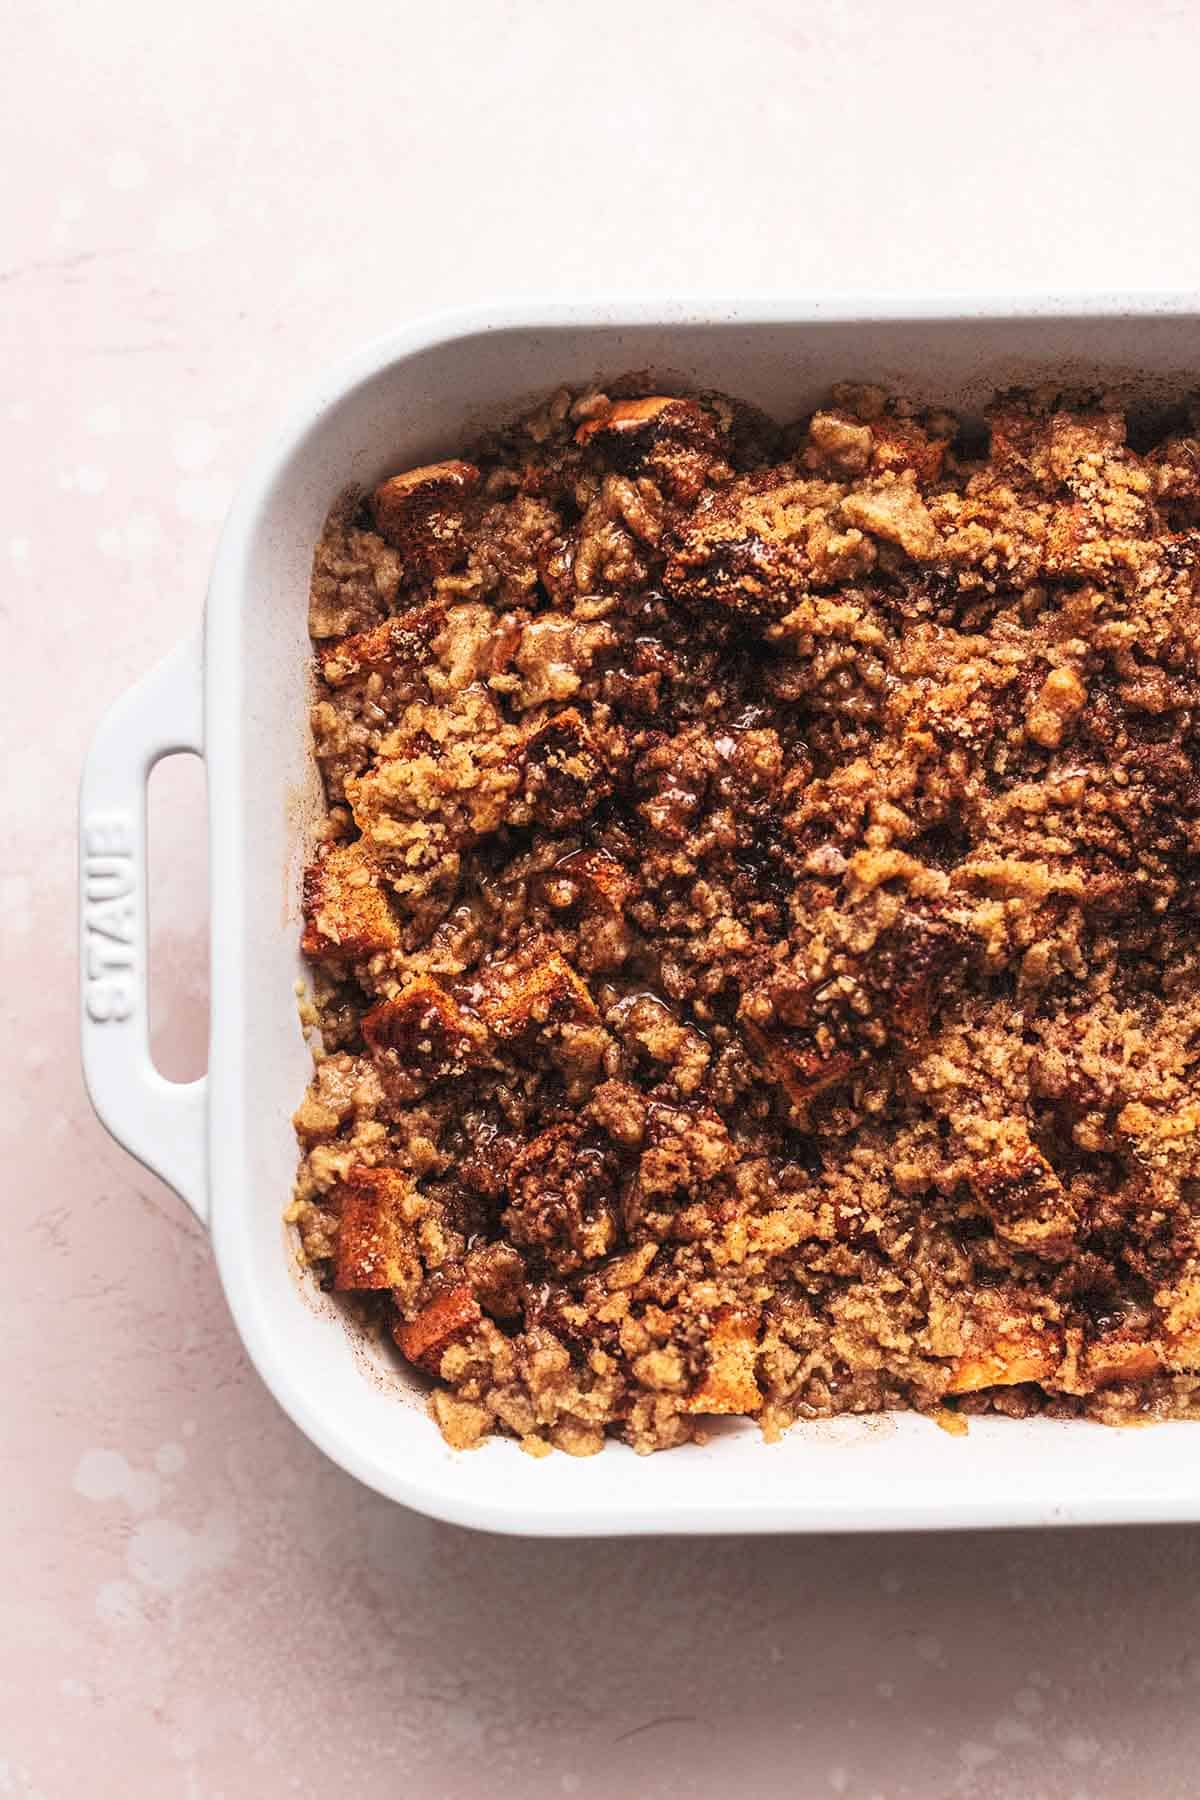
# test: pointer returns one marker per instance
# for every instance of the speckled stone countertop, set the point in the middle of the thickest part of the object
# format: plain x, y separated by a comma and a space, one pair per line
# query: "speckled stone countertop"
201, 204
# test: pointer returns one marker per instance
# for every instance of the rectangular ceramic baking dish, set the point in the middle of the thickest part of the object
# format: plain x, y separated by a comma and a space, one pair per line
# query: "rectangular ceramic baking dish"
237, 694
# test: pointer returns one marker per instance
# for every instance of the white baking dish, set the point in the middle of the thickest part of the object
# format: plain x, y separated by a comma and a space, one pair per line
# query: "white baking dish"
236, 693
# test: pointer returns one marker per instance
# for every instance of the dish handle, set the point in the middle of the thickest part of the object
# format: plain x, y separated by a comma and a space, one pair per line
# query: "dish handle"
163, 1123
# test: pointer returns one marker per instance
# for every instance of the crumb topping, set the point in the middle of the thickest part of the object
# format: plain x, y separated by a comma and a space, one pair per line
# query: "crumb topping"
754, 933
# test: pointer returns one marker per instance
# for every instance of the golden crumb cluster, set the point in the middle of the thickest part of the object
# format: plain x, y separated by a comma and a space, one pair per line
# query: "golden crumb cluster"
755, 932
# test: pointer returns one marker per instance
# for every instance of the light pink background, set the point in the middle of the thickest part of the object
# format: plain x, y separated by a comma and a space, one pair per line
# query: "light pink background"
200, 204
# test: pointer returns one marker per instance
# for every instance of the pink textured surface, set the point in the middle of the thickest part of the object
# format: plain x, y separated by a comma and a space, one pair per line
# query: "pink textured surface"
201, 204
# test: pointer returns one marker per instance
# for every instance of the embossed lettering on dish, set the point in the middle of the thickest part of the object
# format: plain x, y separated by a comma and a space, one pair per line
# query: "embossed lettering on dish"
110, 876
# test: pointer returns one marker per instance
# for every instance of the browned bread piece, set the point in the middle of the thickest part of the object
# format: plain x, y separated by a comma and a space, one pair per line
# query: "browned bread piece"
1121, 1358
538, 987
754, 546
561, 1203
729, 1385
347, 911
672, 441
1028, 1204
593, 889
903, 444
403, 642
631, 419
603, 880
841, 443
447, 1320
376, 1247
794, 1061
1005, 1344
425, 1031
565, 777
422, 514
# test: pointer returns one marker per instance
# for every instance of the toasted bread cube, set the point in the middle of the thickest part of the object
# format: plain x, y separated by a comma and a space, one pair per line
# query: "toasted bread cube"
530, 991
401, 497
421, 514
1028, 1204
347, 910
1120, 1359
743, 548
903, 444
626, 418
1008, 1348
561, 1205
729, 1386
403, 642
445, 1321
797, 1066
669, 439
376, 1247
565, 777
1004, 1363
603, 880
425, 1031
600, 888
